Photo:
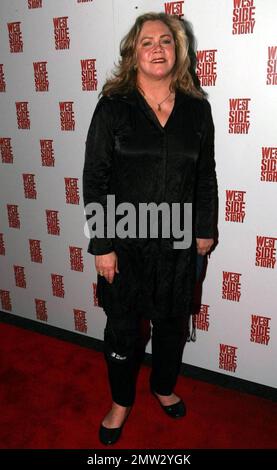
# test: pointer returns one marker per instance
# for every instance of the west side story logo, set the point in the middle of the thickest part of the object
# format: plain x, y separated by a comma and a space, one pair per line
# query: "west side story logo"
265, 252
6, 150
5, 297
15, 37
206, 67
29, 185
76, 259
80, 320
20, 277
272, 66
174, 8
67, 116
41, 310
57, 285
235, 206
228, 357
35, 251
89, 74
61, 33
2, 79
23, 115
47, 152
34, 4
201, 320
231, 286
260, 329
2, 245
41, 76
269, 164
239, 115
52, 222
94, 293
72, 190
13, 216
243, 17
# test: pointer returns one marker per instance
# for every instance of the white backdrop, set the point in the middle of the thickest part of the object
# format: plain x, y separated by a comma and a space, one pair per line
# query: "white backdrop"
54, 59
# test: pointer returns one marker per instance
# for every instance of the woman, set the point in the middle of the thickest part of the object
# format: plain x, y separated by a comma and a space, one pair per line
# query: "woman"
151, 139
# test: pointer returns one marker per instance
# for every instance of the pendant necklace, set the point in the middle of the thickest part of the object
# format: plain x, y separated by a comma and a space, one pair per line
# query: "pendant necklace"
158, 104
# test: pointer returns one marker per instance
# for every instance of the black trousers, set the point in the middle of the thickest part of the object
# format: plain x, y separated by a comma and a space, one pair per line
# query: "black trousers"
125, 349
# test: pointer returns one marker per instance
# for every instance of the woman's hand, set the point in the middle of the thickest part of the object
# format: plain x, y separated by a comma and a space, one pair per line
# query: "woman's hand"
107, 265
204, 245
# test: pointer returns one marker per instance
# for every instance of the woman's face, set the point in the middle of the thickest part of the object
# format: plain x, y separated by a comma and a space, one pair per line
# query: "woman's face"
155, 50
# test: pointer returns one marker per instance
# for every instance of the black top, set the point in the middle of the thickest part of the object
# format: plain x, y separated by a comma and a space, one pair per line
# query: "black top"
129, 154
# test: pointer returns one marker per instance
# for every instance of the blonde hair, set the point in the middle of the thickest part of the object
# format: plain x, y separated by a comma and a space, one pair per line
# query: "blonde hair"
124, 77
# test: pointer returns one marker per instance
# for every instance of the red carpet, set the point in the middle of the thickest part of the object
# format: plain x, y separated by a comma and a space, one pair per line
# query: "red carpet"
54, 395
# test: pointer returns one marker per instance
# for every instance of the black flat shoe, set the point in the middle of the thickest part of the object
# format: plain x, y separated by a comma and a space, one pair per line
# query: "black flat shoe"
109, 436
177, 410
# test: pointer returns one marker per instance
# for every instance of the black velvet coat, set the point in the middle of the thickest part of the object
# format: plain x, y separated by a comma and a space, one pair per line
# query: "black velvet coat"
129, 154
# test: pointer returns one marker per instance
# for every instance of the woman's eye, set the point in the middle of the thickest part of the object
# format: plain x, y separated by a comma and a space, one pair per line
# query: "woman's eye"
147, 43
166, 41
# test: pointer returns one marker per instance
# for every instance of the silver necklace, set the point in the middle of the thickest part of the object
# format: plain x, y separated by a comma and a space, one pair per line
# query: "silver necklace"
158, 104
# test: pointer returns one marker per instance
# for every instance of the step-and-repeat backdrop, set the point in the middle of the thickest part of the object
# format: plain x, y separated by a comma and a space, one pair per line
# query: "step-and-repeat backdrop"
54, 59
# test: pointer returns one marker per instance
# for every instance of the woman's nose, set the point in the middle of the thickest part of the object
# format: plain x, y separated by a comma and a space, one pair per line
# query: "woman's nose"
157, 46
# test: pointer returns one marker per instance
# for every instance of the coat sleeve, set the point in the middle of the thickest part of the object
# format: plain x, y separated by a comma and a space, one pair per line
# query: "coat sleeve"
206, 183
97, 169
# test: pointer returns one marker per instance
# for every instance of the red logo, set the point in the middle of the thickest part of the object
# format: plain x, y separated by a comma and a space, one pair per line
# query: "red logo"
35, 251
80, 320
266, 252
239, 116
235, 206
260, 329
41, 310
53, 223
76, 259
6, 150
2, 245
89, 74
47, 152
269, 164
71, 191
2, 79
22, 113
13, 216
57, 285
272, 66
174, 8
95, 298
61, 31
41, 76
34, 4
15, 37
201, 320
231, 286
20, 278
227, 357
29, 186
67, 116
206, 67
5, 300
243, 17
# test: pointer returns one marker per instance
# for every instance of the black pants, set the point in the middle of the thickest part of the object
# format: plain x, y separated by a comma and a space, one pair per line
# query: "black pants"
125, 348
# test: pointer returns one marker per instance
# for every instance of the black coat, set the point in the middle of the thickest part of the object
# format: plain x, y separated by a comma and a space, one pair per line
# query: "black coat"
129, 154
